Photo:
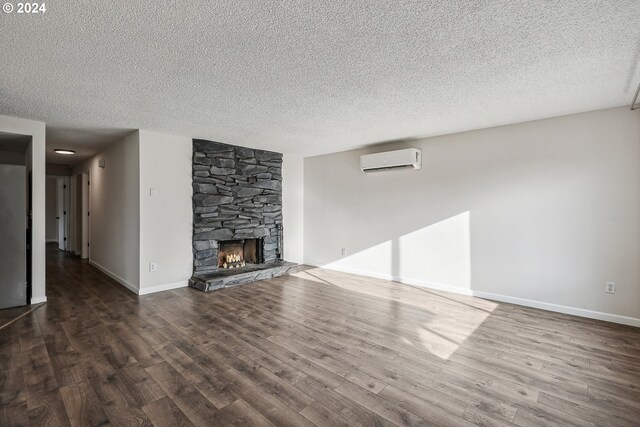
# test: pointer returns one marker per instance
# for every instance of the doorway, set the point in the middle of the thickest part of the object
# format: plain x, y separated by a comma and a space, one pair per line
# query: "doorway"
15, 202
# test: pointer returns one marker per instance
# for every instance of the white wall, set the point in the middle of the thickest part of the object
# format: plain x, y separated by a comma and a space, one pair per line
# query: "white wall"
36, 164
51, 213
539, 213
293, 207
166, 217
115, 206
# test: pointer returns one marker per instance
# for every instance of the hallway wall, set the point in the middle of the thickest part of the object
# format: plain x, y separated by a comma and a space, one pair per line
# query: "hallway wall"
115, 206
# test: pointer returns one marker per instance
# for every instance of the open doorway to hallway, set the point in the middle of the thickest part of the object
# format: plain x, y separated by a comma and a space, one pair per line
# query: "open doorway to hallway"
15, 206
68, 213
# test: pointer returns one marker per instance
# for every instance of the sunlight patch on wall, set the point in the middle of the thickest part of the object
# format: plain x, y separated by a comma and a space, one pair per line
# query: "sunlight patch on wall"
439, 253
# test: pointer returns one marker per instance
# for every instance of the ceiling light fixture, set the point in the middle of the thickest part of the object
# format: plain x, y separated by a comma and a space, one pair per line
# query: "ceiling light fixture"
64, 151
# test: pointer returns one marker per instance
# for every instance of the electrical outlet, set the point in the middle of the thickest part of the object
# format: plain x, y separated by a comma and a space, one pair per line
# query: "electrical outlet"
153, 267
610, 287
344, 251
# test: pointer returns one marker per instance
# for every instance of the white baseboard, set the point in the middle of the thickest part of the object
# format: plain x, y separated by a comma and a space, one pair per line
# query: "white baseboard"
160, 288
558, 308
575, 311
133, 288
38, 300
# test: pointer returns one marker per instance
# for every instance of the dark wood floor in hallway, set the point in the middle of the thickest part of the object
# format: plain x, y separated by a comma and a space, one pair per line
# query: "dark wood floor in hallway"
317, 349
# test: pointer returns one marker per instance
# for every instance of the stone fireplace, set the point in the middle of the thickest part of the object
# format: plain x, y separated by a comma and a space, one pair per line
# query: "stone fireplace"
237, 215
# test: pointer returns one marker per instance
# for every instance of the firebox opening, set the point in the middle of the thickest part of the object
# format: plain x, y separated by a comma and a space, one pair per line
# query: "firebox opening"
238, 253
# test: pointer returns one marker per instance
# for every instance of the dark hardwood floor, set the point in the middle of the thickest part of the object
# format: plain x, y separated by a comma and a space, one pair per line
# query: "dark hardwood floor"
320, 348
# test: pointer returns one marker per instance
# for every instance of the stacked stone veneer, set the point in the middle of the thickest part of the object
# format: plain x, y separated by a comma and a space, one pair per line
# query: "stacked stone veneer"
237, 194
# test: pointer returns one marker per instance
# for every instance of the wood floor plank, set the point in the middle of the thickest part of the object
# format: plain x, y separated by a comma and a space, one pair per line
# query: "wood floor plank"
347, 408
591, 412
478, 416
538, 415
431, 405
82, 405
266, 381
12, 387
322, 416
50, 411
198, 409
211, 387
165, 413
267, 403
135, 382
16, 415
380, 406
240, 413
127, 416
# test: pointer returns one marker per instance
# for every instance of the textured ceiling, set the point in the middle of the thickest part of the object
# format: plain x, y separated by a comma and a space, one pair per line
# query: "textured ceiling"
312, 76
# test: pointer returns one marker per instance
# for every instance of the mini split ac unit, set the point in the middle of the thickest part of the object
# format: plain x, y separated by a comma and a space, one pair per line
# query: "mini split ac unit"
410, 158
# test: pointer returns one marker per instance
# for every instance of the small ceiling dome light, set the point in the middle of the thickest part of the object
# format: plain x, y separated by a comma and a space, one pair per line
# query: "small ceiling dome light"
64, 151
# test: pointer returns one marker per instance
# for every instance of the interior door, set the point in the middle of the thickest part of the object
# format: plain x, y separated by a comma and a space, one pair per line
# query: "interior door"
13, 227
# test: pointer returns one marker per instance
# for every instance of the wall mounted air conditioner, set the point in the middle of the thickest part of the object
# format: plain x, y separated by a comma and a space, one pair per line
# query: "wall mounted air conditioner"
410, 158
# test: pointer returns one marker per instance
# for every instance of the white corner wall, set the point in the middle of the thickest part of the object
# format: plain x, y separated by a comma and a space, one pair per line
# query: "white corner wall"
539, 213
293, 207
35, 164
166, 222
115, 211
